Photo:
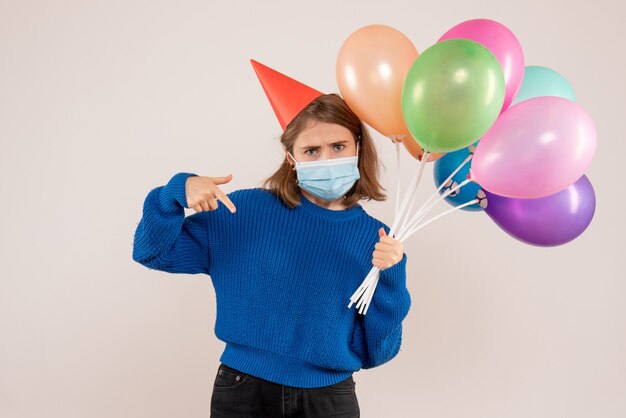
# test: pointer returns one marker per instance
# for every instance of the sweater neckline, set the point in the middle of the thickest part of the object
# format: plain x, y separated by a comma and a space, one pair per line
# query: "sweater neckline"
330, 214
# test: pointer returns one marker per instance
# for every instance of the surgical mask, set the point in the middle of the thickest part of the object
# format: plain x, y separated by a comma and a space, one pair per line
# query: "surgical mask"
328, 179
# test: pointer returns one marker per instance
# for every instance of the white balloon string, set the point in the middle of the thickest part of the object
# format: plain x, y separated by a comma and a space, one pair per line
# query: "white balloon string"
364, 294
442, 185
425, 209
409, 195
404, 201
421, 168
366, 298
398, 178
364, 285
420, 226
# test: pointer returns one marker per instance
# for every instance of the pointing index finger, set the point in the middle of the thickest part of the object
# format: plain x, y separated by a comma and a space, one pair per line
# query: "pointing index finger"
224, 199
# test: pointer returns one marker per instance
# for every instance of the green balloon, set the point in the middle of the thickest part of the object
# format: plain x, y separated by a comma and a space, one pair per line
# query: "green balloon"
452, 94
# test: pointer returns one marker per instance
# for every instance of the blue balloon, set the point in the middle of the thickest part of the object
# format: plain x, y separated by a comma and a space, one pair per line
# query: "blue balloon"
442, 170
542, 81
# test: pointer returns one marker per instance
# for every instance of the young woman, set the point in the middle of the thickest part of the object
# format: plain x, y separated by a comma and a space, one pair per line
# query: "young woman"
284, 260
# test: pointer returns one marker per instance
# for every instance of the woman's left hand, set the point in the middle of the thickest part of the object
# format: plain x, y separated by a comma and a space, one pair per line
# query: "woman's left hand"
389, 251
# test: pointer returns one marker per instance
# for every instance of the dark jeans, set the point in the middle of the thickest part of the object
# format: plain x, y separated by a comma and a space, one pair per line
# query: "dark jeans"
240, 395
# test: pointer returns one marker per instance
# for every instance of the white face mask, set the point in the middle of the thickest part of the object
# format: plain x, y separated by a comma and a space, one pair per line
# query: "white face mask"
328, 179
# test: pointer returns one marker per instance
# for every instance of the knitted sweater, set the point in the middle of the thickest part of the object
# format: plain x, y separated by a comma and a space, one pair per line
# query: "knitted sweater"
283, 278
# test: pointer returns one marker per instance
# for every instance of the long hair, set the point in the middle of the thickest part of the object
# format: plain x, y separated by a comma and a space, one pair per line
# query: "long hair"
329, 108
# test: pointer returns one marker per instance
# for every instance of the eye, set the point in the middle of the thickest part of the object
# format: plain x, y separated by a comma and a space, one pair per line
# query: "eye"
307, 151
340, 145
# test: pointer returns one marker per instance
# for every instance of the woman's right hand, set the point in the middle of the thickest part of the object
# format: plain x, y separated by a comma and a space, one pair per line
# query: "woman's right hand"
202, 193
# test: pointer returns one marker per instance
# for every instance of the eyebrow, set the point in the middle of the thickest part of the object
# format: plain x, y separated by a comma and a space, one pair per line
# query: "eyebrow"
317, 146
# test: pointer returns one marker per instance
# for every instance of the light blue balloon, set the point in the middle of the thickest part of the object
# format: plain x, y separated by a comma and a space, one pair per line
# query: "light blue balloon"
442, 170
542, 81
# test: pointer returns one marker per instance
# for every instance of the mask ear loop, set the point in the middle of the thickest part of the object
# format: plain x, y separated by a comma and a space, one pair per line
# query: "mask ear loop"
293, 167
358, 143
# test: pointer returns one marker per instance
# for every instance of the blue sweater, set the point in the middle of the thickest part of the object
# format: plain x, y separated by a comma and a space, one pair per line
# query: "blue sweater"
283, 278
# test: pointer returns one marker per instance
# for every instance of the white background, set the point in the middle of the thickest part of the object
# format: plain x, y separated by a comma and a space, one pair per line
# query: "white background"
100, 101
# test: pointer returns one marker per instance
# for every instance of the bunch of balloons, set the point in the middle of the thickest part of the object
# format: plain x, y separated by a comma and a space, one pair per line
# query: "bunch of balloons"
505, 139
470, 94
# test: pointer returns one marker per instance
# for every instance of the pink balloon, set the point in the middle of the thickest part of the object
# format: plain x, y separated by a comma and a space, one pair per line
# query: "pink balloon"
536, 148
502, 43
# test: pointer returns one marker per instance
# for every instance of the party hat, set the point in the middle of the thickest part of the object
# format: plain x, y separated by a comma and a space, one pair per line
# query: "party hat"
286, 95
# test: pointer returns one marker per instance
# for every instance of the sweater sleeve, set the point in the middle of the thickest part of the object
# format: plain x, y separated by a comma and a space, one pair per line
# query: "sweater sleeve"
378, 334
165, 239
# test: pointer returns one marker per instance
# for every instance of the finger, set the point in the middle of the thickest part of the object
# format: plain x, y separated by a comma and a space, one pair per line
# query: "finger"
380, 264
204, 205
381, 232
392, 244
387, 239
221, 180
197, 208
229, 204
392, 252
387, 257
384, 246
380, 258
379, 254
212, 203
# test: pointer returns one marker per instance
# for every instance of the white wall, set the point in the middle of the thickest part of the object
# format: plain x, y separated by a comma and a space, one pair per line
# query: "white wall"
100, 101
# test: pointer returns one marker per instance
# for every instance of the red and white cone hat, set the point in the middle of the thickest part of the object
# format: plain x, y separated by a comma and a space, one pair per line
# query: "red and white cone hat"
287, 96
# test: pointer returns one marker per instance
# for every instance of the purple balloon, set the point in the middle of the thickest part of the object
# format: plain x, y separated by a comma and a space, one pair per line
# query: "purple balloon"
546, 221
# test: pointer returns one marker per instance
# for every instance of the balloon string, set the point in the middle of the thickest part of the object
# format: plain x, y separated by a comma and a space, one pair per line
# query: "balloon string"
398, 179
428, 207
365, 292
420, 226
369, 292
401, 210
370, 276
366, 289
413, 197
410, 195
366, 298
368, 279
363, 295
441, 186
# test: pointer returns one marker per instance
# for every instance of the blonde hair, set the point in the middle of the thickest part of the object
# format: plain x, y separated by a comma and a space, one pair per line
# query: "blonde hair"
329, 108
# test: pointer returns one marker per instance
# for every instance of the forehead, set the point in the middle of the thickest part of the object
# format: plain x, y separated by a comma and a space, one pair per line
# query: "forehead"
320, 133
